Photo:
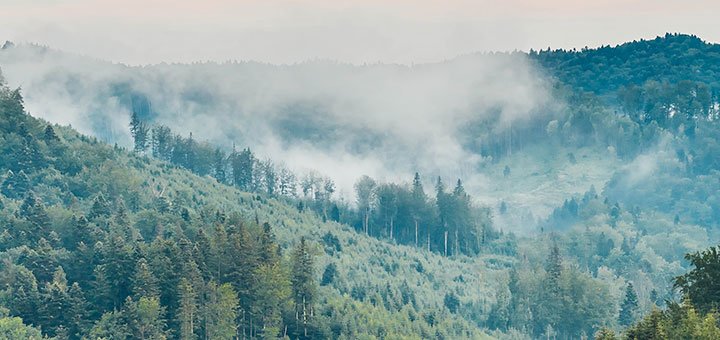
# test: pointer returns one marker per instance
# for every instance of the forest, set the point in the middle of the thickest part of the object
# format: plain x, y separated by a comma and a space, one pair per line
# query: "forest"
174, 235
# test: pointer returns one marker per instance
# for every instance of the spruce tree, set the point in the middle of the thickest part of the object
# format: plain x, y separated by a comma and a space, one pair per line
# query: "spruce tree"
220, 312
629, 306
219, 161
100, 207
304, 286
144, 282
49, 135
15, 185
187, 309
146, 318
77, 316
139, 132
56, 303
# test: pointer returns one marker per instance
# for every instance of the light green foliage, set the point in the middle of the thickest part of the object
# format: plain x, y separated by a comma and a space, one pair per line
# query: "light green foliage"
13, 328
220, 312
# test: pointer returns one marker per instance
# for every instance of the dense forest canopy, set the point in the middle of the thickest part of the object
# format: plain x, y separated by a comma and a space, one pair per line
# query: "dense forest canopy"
588, 208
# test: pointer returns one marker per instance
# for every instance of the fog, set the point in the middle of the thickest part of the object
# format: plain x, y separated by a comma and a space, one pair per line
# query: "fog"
386, 121
288, 31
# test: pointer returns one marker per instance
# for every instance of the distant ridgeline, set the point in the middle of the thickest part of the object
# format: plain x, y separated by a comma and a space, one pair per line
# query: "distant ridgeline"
671, 59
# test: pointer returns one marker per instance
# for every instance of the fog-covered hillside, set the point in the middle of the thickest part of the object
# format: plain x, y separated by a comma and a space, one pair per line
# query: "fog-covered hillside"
549, 194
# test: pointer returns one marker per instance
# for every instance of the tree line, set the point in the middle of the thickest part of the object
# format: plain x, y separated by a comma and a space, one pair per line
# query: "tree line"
449, 223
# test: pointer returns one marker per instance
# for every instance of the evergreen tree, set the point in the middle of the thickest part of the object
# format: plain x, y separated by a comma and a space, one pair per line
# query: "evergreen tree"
304, 286
243, 167
49, 135
33, 210
139, 132
81, 233
112, 325
187, 310
628, 307
22, 297
221, 312
144, 283
272, 297
146, 318
77, 316
15, 185
605, 334
328, 274
100, 207
219, 164
56, 302
161, 144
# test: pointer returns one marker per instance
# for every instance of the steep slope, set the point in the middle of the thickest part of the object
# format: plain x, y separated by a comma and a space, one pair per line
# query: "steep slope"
53, 176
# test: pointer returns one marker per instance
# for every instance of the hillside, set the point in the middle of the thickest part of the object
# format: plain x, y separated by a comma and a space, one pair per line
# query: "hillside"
72, 206
555, 194
670, 58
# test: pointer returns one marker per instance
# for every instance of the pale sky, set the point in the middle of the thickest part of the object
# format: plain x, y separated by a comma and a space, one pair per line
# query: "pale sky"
357, 31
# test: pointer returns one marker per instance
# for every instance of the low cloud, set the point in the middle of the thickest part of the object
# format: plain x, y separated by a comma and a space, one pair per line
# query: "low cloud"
383, 120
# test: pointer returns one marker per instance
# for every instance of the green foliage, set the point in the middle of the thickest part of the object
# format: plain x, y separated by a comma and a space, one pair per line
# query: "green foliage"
166, 251
12, 328
702, 285
629, 307
673, 58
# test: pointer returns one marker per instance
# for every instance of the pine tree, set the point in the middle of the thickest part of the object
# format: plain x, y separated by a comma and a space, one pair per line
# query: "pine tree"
144, 282
77, 316
187, 309
33, 210
605, 334
162, 142
102, 291
139, 132
243, 166
15, 185
25, 297
272, 294
629, 306
56, 303
221, 312
328, 274
304, 286
552, 293
418, 207
146, 318
219, 165
553, 266
100, 207
81, 233
49, 135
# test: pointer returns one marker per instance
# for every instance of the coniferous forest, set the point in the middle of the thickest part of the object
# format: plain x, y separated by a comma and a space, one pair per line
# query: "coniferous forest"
596, 215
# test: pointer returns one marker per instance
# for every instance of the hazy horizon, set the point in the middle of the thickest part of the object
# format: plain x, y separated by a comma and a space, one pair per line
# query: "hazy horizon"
287, 32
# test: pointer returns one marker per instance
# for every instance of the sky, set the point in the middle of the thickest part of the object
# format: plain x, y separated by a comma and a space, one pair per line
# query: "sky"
141, 32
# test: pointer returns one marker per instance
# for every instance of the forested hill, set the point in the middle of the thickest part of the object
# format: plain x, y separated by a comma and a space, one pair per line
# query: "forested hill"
670, 58
99, 243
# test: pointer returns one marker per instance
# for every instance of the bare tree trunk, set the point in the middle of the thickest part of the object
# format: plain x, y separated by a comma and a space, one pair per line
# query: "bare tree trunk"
446, 239
416, 233
367, 217
428, 237
457, 243
392, 225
